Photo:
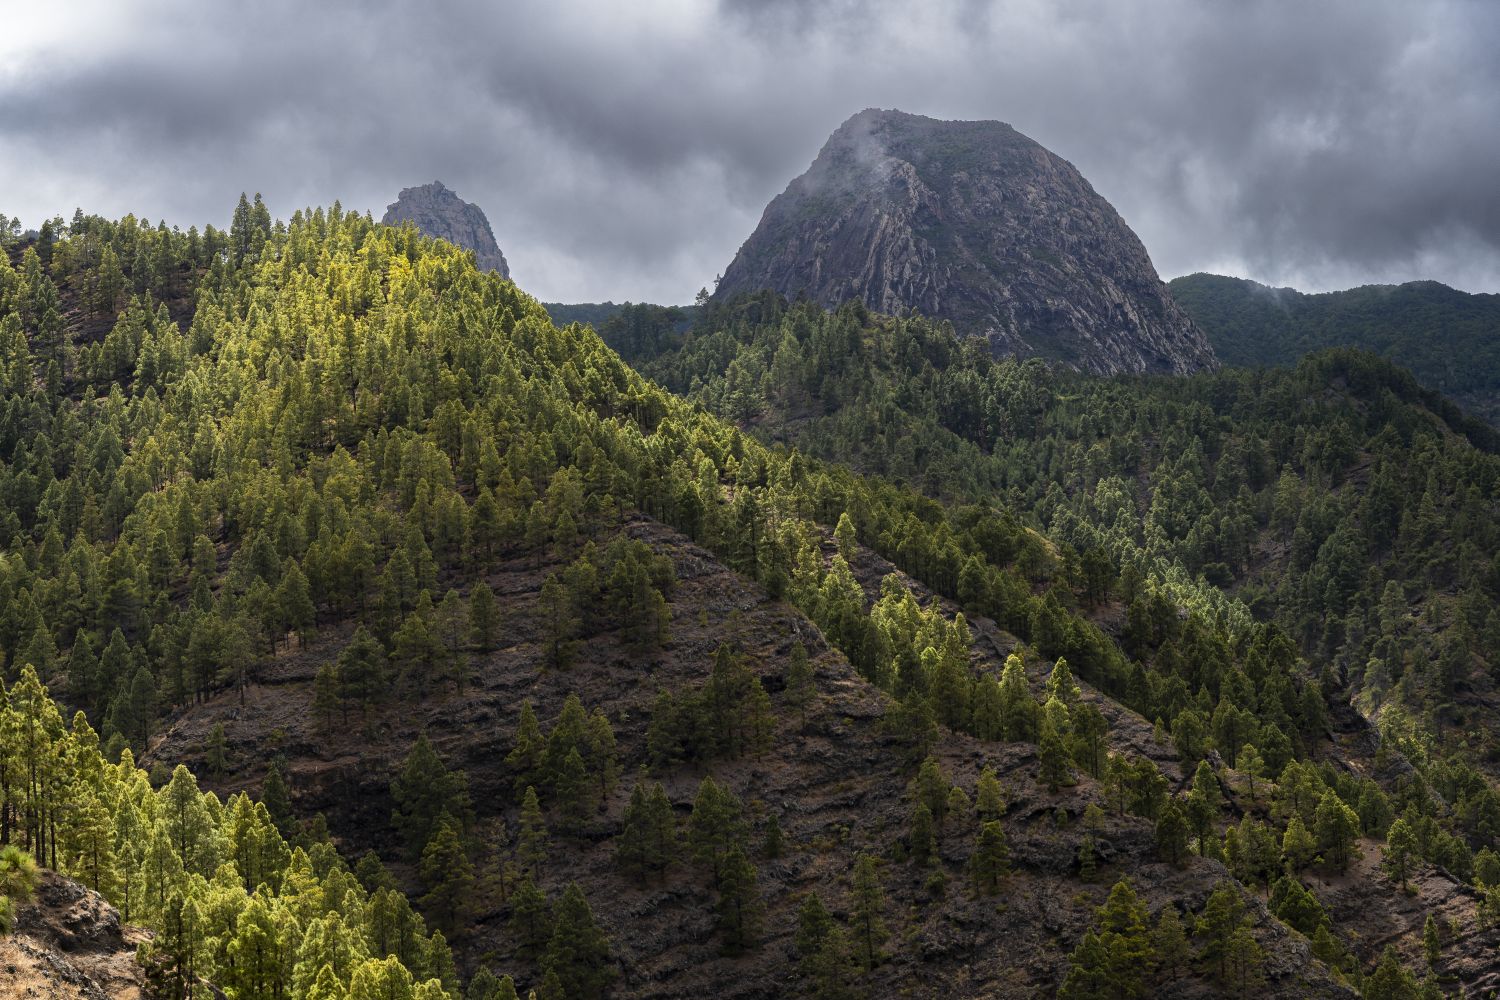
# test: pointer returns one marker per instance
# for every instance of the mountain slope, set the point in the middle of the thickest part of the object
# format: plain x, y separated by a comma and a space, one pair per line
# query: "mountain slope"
1449, 339
974, 223
443, 215
1321, 496
370, 503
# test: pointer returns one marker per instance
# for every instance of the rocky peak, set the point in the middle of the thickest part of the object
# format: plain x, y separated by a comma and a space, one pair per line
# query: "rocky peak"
977, 224
441, 214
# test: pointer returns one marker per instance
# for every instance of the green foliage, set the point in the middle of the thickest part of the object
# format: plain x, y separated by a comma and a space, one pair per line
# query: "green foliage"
449, 876
867, 929
1422, 326
739, 907
283, 433
648, 842
716, 827
426, 793
990, 862
229, 899
578, 951
18, 878
1115, 958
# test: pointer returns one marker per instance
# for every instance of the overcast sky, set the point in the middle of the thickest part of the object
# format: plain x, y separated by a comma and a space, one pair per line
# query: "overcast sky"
624, 150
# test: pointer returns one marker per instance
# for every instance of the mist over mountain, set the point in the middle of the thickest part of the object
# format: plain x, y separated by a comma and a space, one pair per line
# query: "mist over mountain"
943, 608
974, 223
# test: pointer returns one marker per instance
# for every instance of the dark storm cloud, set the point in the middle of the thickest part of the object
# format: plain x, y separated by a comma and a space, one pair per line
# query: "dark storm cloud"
625, 150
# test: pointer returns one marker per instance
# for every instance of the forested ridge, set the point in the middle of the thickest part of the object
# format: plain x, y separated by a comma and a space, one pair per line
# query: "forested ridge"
1447, 338
1339, 499
337, 447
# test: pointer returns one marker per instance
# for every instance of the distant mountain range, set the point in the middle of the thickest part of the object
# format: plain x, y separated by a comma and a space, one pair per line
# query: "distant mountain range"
1450, 340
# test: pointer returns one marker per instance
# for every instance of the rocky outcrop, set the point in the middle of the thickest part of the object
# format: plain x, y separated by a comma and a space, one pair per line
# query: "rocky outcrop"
441, 214
977, 224
69, 945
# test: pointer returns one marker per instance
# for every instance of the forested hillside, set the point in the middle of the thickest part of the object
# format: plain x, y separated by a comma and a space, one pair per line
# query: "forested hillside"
1449, 339
634, 704
1339, 499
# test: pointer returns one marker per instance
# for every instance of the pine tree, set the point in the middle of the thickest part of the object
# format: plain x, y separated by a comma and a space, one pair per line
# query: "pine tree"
990, 862
1336, 829
867, 929
294, 600
1391, 980
1019, 711
1172, 833
1216, 925
930, 787
649, 838
484, 618
603, 756
1204, 803
531, 843
484, 986
216, 754
989, 801
1251, 766
1056, 766
326, 693
715, 826
525, 757
1090, 975
1088, 864
1297, 845
922, 838
1432, 945
575, 791
1169, 944
424, 791
772, 843
1401, 847
1125, 939
449, 876
960, 812
277, 799
559, 622
832, 969
362, 671
530, 918
739, 907
800, 683
578, 952
1244, 962
813, 924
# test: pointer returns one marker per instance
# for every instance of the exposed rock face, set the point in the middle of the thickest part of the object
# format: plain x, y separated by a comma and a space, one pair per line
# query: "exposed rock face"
441, 214
977, 224
69, 945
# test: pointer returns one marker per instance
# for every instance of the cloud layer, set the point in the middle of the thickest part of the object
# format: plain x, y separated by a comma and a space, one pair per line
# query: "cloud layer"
625, 151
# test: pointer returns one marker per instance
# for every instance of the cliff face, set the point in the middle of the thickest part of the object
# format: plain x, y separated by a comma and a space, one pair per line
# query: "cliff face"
441, 214
975, 223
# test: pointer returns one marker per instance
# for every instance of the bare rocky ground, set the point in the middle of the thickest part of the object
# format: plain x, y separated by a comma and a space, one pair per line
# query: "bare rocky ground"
69, 945
837, 784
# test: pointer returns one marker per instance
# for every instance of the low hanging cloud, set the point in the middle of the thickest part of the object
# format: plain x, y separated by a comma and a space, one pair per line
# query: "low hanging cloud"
625, 151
